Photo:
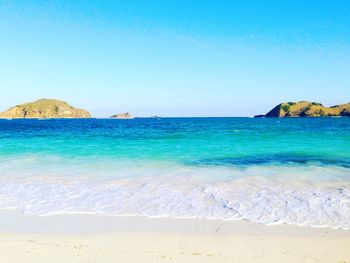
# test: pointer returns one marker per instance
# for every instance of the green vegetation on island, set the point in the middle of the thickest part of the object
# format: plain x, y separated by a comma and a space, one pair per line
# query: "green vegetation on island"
45, 108
307, 109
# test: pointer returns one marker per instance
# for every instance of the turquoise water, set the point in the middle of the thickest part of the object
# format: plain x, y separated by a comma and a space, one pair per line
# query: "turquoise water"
270, 171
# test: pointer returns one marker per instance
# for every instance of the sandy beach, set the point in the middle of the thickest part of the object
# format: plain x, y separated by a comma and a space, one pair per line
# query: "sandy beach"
83, 238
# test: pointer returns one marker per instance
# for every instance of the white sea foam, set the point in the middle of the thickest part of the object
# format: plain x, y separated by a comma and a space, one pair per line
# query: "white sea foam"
308, 196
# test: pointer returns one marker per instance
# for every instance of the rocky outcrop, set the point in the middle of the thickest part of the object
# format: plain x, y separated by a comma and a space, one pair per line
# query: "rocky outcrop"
125, 115
45, 108
307, 109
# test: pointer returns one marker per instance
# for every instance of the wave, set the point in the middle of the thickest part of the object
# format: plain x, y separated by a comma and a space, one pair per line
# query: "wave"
308, 196
281, 159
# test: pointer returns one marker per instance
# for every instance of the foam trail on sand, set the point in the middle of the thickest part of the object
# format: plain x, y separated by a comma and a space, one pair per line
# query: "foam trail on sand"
295, 196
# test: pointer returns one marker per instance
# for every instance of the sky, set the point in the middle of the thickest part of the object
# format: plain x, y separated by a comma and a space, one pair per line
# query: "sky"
175, 57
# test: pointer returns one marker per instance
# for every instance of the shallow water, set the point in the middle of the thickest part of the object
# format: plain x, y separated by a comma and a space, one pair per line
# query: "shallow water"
270, 171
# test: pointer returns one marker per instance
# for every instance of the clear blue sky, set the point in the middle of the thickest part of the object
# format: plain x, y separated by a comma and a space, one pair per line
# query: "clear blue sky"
175, 58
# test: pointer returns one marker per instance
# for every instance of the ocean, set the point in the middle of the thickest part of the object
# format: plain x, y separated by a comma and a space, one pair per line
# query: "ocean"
270, 171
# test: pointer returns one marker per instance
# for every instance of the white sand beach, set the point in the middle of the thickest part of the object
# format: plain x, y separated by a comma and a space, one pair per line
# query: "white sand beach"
85, 238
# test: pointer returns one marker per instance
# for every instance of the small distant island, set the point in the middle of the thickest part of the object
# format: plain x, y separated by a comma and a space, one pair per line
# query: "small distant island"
306, 109
125, 115
44, 108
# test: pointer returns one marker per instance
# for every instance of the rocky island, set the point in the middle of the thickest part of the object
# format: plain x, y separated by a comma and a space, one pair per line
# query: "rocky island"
307, 109
45, 108
125, 115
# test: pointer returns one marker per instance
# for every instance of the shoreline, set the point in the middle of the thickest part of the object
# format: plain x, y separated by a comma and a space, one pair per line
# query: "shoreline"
14, 221
93, 238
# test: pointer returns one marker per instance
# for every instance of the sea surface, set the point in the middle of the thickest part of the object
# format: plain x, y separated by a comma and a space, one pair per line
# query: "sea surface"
270, 171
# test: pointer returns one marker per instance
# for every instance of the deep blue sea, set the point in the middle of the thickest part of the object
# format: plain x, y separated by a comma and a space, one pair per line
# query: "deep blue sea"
270, 171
